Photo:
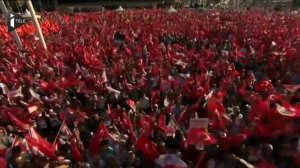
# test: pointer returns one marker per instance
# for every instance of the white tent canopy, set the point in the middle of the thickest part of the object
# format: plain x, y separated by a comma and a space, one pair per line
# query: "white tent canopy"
120, 9
171, 9
27, 14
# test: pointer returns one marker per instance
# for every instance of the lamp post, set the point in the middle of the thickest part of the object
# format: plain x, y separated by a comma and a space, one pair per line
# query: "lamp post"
36, 23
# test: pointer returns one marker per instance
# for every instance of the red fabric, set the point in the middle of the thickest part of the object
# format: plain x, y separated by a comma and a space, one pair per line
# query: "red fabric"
15, 93
18, 123
131, 104
196, 135
147, 123
264, 86
292, 88
147, 147
3, 163
126, 122
101, 134
162, 125
259, 109
35, 140
75, 152
216, 114
287, 110
232, 141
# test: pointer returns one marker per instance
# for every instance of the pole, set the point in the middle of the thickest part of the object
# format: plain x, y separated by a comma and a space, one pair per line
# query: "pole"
14, 33
56, 137
36, 23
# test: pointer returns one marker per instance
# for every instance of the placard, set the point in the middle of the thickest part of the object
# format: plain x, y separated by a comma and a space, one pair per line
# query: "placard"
201, 123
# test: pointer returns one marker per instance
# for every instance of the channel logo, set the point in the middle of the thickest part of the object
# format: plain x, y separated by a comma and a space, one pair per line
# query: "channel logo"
15, 21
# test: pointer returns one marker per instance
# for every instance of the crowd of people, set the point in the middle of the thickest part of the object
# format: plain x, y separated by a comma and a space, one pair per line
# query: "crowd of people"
135, 89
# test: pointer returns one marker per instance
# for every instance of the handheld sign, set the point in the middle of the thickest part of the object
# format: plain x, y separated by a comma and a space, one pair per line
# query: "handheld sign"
201, 123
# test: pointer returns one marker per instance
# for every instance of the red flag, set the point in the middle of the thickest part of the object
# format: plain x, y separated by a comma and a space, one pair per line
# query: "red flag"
162, 125
287, 110
18, 123
196, 135
125, 121
128, 52
216, 114
33, 107
101, 134
65, 130
15, 93
259, 109
48, 87
147, 123
292, 88
264, 86
75, 151
80, 117
147, 147
131, 104
242, 91
35, 141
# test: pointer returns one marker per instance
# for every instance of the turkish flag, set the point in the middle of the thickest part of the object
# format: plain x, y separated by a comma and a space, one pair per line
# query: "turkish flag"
147, 123
126, 122
196, 135
75, 151
147, 147
18, 123
259, 109
35, 141
101, 134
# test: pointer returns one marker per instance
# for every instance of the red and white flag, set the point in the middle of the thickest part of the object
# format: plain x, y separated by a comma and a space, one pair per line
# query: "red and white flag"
292, 88
15, 93
39, 145
18, 123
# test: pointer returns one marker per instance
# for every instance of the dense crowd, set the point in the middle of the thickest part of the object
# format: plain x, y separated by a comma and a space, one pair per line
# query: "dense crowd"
122, 89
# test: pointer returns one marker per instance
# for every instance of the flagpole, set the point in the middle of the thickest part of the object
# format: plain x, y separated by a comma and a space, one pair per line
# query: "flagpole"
174, 120
14, 141
36, 23
62, 124
14, 32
